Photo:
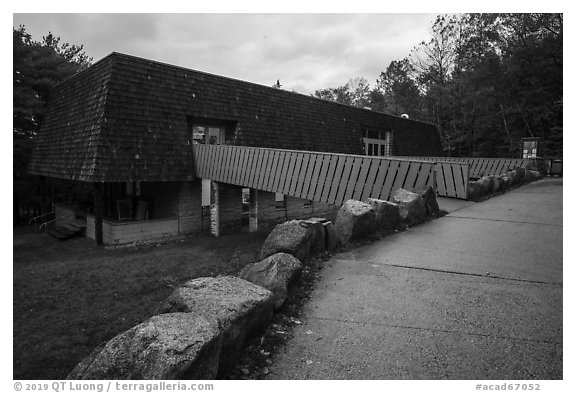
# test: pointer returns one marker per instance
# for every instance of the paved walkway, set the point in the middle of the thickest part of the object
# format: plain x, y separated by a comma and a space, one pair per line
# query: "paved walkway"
476, 294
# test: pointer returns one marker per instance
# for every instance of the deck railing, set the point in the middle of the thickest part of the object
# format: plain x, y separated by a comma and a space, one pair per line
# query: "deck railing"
483, 166
323, 177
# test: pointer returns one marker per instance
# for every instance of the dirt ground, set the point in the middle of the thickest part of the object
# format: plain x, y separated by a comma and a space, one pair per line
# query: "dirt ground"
70, 296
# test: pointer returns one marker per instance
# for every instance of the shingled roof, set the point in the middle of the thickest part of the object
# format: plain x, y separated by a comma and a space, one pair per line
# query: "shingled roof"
125, 119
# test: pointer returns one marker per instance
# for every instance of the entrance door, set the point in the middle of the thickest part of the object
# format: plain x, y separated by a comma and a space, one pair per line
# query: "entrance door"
215, 136
381, 146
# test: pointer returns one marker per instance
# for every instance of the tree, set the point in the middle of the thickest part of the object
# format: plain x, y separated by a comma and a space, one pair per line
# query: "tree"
339, 94
490, 79
433, 63
37, 68
399, 90
354, 93
517, 59
360, 92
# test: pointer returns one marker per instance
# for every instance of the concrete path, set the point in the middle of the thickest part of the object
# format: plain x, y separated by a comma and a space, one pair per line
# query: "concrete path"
476, 294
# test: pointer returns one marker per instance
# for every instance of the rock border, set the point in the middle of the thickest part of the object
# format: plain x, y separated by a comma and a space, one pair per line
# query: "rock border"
297, 249
489, 186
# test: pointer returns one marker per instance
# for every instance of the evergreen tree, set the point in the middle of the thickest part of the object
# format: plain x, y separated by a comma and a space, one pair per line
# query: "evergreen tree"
37, 67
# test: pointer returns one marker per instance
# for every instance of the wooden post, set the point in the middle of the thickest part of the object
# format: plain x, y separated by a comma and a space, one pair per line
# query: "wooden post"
215, 209
253, 211
43, 195
98, 213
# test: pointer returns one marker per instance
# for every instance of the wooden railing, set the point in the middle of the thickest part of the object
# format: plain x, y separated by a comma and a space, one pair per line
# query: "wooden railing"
322, 177
452, 179
482, 166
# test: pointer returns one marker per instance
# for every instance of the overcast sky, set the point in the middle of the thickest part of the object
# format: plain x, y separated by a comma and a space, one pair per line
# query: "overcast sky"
305, 51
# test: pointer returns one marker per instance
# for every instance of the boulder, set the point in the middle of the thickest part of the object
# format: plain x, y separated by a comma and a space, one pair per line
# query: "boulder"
487, 184
521, 174
496, 184
275, 273
412, 206
387, 214
537, 174
318, 237
429, 195
166, 346
292, 237
354, 221
475, 191
532, 175
504, 182
514, 177
239, 307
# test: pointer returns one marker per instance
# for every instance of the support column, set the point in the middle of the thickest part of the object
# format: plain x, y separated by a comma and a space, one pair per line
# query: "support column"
43, 197
214, 208
98, 213
253, 211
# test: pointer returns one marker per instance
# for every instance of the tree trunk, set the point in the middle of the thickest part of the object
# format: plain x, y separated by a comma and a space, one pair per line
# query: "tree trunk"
506, 127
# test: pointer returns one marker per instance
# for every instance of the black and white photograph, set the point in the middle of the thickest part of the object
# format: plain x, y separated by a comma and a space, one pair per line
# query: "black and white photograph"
202, 197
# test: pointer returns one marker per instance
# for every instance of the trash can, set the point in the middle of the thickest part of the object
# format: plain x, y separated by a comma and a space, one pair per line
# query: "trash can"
556, 168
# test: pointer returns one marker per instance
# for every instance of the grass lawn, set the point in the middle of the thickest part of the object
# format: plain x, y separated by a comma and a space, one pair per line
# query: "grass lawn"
71, 296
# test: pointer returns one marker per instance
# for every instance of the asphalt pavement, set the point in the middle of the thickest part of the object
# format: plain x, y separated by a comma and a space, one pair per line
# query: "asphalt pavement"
476, 294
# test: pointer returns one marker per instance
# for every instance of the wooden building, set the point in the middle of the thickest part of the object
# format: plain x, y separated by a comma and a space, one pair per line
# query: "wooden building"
120, 134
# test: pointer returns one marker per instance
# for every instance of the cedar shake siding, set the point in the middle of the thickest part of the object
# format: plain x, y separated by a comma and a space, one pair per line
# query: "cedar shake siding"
127, 119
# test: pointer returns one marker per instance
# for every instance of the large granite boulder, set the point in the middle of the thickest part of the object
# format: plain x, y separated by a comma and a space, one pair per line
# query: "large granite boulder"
275, 273
239, 307
292, 237
429, 195
166, 346
475, 191
487, 183
318, 236
355, 220
387, 214
496, 184
521, 174
532, 175
412, 206
505, 182
514, 177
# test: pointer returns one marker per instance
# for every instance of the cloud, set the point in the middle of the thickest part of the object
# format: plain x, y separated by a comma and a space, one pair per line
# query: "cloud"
305, 51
